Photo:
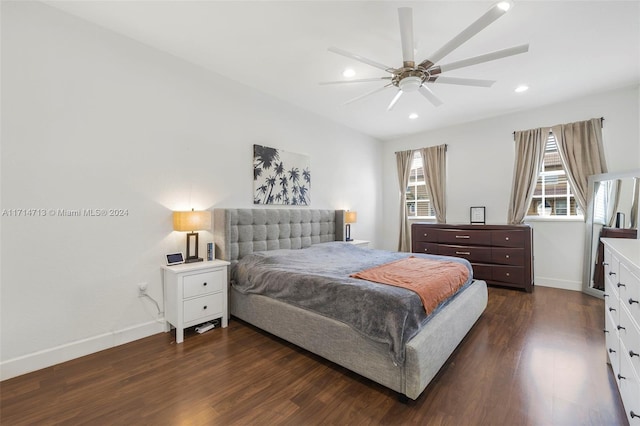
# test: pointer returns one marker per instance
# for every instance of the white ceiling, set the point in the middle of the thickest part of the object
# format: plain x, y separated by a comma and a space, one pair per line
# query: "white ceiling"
280, 48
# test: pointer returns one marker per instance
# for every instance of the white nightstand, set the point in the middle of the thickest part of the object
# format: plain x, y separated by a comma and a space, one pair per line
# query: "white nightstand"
360, 243
195, 293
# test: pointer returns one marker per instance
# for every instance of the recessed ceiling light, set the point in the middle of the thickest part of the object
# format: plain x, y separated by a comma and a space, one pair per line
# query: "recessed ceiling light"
522, 88
349, 72
413, 116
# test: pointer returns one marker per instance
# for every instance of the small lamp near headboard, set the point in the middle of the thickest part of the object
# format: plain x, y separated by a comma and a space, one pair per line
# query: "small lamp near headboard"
349, 218
192, 221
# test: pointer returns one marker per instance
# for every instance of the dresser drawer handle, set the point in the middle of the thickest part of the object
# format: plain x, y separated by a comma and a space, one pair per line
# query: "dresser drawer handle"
631, 301
425, 235
605, 330
611, 351
632, 354
204, 284
619, 327
506, 238
612, 309
621, 377
506, 256
621, 285
508, 274
632, 414
464, 237
605, 264
466, 253
612, 273
204, 307
605, 295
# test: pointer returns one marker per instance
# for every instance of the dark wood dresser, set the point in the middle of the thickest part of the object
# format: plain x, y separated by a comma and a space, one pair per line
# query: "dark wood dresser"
500, 254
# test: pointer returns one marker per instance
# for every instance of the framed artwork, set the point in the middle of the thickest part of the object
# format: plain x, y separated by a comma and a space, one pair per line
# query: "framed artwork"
280, 177
477, 215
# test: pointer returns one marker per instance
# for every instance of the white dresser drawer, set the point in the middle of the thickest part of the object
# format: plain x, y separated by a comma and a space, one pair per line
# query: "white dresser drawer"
630, 297
629, 385
612, 342
630, 337
611, 266
202, 307
208, 282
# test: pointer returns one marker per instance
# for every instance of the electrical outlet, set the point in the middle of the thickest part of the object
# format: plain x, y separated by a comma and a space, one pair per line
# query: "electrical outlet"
142, 289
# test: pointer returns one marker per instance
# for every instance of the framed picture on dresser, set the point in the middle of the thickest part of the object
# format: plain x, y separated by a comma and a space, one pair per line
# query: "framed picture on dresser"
477, 215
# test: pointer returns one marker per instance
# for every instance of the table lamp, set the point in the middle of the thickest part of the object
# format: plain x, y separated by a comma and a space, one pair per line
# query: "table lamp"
349, 218
192, 221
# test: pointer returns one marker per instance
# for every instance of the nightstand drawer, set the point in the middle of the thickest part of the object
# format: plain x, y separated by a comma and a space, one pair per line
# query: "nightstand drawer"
207, 282
202, 307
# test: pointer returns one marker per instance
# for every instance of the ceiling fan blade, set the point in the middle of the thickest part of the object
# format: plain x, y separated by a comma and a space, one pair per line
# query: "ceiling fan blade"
405, 14
427, 93
462, 81
496, 11
362, 80
379, 89
360, 58
394, 100
498, 54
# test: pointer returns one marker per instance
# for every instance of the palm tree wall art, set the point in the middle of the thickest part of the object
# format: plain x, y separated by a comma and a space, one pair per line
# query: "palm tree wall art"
280, 177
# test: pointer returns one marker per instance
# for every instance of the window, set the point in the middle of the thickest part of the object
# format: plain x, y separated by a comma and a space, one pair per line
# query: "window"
552, 196
417, 198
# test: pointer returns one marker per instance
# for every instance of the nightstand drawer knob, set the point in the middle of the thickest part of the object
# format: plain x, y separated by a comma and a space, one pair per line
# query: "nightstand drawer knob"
506, 238
506, 256
508, 274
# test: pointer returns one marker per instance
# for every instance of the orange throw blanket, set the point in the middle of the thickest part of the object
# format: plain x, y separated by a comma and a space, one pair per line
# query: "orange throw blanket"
433, 280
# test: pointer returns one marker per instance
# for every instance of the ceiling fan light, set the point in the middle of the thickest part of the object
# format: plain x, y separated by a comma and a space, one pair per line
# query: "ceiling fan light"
505, 5
349, 72
410, 84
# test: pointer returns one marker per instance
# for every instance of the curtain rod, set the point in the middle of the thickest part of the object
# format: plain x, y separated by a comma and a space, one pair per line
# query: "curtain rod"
445, 148
601, 125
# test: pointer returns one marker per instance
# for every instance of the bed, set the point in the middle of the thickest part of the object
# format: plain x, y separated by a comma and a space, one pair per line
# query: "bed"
407, 369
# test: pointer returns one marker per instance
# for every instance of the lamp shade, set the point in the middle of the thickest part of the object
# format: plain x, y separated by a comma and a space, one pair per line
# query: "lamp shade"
192, 221
350, 217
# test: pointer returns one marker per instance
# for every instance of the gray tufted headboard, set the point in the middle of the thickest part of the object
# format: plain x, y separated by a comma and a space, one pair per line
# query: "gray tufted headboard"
239, 232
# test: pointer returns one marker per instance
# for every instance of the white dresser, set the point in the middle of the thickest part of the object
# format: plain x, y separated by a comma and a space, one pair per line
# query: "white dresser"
195, 293
622, 319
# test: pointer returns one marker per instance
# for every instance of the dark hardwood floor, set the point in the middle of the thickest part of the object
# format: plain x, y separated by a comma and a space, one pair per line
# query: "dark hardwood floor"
532, 359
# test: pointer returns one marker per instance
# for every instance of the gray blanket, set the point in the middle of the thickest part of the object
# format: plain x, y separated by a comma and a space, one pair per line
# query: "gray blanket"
317, 279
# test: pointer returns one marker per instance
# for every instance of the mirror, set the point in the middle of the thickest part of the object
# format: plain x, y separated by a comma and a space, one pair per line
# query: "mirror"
612, 212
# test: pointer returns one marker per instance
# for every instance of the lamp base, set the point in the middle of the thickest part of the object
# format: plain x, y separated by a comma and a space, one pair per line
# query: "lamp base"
193, 260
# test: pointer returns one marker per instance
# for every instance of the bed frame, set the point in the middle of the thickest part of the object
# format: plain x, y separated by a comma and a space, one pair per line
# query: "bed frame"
239, 232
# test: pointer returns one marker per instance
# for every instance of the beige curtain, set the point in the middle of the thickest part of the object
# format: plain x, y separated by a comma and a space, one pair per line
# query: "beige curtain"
434, 164
529, 155
404, 160
613, 199
633, 219
582, 154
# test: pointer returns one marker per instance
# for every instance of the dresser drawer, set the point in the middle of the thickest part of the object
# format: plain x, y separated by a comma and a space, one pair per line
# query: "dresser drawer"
612, 341
507, 256
482, 271
472, 254
508, 274
202, 307
207, 282
464, 236
630, 291
428, 248
507, 238
630, 336
629, 385
425, 234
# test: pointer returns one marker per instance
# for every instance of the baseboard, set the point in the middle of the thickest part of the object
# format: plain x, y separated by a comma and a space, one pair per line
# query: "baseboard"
561, 284
48, 357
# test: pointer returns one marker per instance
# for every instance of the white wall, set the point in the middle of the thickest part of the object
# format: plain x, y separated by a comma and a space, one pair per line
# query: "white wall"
480, 159
94, 120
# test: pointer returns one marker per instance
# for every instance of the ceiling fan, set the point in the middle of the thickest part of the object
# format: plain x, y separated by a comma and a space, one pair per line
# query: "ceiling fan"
412, 77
